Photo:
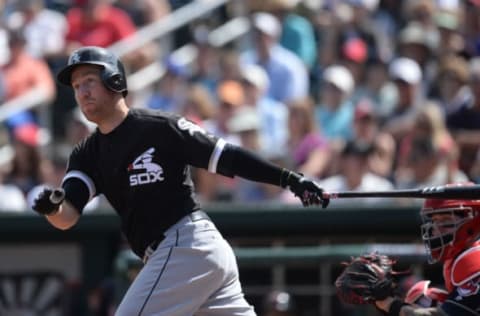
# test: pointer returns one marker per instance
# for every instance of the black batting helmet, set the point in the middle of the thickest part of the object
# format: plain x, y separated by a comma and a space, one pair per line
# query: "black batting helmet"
113, 72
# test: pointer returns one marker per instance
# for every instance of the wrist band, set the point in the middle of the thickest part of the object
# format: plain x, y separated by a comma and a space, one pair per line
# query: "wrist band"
395, 307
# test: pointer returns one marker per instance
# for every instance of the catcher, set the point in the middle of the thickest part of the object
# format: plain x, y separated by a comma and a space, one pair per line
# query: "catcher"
450, 231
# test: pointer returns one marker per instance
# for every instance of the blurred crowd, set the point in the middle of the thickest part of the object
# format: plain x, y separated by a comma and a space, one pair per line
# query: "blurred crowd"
358, 94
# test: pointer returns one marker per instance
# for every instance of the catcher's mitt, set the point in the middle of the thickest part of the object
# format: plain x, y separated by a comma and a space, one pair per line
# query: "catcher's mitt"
366, 279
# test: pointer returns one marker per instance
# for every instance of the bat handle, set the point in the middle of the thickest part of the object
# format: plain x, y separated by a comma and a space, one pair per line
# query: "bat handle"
57, 196
329, 195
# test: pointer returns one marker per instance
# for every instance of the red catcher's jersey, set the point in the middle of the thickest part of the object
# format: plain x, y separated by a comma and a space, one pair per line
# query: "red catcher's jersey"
462, 279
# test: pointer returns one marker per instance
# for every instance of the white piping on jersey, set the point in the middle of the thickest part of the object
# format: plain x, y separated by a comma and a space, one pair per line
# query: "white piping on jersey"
215, 157
85, 178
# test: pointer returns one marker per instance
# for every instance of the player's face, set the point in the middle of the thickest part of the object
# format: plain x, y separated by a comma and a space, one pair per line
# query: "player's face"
93, 98
444, 223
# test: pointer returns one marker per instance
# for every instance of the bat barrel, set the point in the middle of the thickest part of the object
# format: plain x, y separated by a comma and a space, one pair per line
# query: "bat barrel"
440, 192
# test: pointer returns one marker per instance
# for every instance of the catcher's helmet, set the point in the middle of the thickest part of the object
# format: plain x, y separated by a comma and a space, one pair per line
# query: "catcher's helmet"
459, 228
113, 72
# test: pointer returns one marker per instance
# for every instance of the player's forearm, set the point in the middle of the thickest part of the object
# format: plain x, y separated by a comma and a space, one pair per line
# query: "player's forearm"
66, 217
236, 161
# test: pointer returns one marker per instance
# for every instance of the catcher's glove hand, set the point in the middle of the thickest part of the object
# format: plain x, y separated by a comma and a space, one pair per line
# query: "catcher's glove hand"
366, 279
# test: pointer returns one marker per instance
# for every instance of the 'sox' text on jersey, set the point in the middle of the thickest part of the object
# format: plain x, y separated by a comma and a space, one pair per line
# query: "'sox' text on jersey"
144, 170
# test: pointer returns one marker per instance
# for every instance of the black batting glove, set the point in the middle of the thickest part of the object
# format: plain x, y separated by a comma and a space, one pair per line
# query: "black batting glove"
305, 189
48, 201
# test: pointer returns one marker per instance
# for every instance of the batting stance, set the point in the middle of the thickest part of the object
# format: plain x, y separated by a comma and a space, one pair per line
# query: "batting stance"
451, 232
140, 160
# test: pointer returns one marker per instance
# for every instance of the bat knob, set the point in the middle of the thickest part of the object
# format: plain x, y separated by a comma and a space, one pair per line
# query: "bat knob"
57, 196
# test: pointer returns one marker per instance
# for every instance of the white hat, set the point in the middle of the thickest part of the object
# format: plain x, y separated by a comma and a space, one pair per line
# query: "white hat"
340, 77
474, 67
405, 69
255, 75
267, 24
244, 119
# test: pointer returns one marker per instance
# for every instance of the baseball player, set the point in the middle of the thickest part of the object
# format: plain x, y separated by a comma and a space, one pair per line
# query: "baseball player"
451, 232
139, 159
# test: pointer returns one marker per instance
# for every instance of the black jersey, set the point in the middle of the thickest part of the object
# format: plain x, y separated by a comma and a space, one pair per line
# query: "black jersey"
142, 168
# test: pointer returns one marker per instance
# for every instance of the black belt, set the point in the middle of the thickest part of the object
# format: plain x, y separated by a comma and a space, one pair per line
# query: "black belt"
194, 217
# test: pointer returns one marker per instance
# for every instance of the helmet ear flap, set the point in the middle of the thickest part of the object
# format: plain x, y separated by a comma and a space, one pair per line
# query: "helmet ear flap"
115, 82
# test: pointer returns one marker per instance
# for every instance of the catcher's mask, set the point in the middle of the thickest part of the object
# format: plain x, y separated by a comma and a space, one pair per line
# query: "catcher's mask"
113, 72
458, 228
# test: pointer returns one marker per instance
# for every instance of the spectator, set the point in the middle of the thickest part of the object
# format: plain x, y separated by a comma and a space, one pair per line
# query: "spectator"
465, 121
171, 89
230, 97
229, 65
246, 124
96, 23
354, 174
407, 76
25, 171
99, 23
366, 129
420, 11
44, 29
428, 123
144, 12
273, 115
22, 72
427, 167
452, 84
277, 61
199, 105
378, 88
334, 114
310, 151
206, 67
471, 27
420, 44
354, 53
449, 29
297, 33
359, 24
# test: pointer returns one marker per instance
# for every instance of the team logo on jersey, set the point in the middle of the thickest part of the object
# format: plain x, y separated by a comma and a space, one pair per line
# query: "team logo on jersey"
152, 172
185, 125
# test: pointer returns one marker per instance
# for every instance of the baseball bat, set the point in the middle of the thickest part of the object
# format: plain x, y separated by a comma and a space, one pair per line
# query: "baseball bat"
439, 192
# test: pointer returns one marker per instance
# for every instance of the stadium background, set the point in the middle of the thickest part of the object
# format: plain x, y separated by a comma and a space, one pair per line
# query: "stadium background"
373, 94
